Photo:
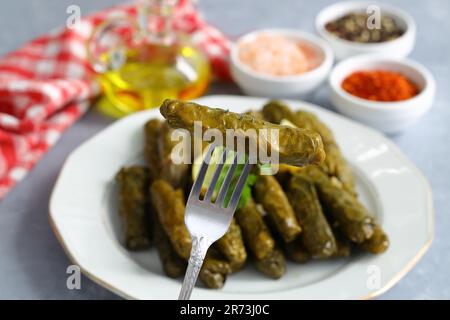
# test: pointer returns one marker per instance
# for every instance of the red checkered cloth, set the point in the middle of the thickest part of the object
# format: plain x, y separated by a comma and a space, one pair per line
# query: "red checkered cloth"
48, 84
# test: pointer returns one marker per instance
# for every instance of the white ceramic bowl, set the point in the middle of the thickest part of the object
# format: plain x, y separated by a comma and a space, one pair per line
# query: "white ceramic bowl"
398, 48
295, 86
389, 117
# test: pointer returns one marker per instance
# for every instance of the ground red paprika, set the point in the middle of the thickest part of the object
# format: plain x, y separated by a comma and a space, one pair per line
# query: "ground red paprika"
379, 85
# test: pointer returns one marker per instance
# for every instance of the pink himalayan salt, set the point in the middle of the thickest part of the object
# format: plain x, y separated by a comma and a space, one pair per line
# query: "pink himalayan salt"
277, 55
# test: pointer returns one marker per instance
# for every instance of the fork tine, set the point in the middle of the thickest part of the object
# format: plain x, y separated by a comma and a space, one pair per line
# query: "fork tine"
226, 183
215, 177
239, 186
197, 187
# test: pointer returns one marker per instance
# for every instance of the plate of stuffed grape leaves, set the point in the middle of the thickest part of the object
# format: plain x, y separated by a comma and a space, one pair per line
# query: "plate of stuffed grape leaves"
345, 215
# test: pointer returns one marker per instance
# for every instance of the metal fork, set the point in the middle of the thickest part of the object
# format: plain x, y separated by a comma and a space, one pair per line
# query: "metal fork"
207, 221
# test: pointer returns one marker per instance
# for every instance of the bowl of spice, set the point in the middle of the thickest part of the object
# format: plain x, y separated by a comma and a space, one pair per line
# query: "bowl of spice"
280, 63
353, 28
389, 94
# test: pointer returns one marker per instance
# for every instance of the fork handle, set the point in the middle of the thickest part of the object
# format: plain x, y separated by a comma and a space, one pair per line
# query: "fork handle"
200, 246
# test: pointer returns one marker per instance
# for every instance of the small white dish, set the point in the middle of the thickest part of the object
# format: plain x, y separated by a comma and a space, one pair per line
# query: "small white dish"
292, 86
83, 215
388, 117
397, 48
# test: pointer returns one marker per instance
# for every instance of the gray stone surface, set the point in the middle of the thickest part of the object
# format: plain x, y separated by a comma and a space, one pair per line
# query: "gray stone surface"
33, 265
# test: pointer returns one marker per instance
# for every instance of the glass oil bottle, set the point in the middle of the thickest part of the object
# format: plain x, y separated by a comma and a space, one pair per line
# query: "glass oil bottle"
146, 61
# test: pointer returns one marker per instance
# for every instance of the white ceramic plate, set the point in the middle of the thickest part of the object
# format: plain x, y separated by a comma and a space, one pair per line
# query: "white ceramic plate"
83, 214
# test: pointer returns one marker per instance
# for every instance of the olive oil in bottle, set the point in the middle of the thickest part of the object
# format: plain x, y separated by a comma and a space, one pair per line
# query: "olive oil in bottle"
160, 64
151, 74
